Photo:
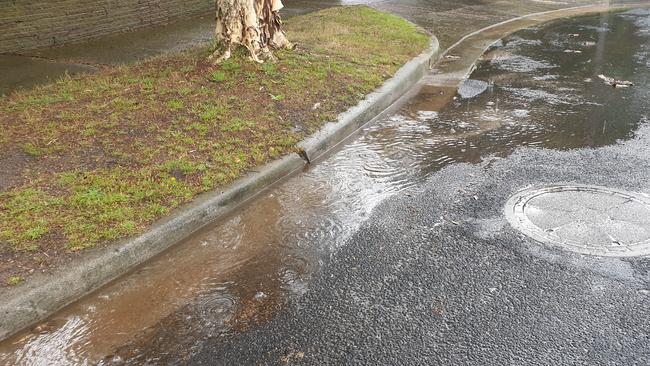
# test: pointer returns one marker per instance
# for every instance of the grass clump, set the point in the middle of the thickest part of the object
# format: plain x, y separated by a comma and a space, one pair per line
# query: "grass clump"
14, 280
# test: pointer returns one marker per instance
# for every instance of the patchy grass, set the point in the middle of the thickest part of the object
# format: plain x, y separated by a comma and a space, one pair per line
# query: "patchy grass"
107, 154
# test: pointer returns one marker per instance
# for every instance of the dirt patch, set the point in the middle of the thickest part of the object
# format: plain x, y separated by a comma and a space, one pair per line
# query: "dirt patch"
11, 168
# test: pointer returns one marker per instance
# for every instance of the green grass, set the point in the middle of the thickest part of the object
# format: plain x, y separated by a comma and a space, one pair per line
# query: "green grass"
14, 280
110, 153
218, 76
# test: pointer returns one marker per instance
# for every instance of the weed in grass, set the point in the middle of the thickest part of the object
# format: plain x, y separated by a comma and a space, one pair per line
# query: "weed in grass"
66, 179
250, 76
89, 131
237, 125
14, 280
36, 232
50, 99
32, 150
230, 65
175, 104
211, 112
199, 127
185, 90
269, 69
187, 69
182, 165
147, 84
124, 105
218, 76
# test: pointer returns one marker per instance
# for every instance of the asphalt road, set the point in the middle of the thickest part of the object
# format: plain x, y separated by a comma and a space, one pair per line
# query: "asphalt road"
437, 276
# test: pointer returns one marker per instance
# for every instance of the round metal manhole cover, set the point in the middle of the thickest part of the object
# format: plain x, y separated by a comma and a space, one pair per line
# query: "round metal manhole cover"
585, 219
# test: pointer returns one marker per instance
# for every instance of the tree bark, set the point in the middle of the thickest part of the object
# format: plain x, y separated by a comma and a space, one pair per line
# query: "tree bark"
254, 24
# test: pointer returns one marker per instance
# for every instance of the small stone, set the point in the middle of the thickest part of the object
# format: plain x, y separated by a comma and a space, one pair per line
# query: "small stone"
43, 328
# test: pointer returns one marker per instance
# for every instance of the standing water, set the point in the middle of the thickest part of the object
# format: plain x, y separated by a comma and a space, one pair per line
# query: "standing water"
538, 87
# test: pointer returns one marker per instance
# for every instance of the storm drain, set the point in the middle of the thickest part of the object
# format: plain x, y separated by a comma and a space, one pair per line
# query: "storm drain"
585, 219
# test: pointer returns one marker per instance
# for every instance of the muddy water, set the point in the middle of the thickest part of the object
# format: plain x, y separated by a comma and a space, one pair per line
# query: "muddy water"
538, 87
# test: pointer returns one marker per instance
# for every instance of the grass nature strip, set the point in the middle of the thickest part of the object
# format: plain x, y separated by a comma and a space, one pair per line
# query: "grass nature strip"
92, 159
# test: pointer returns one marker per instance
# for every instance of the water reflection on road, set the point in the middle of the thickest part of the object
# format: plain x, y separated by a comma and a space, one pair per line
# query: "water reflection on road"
538, 87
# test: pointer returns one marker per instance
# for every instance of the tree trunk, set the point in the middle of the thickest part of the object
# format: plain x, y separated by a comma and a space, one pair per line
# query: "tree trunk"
254, 24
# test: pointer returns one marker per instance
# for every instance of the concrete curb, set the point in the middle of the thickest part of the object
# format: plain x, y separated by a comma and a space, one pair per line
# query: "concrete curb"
348, 122
45, 294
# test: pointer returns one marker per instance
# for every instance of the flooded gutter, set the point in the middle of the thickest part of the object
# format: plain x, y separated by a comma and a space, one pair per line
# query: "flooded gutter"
45, 294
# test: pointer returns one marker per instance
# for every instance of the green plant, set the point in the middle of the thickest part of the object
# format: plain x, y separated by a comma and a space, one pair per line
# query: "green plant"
218, 76
14, 280
175, 104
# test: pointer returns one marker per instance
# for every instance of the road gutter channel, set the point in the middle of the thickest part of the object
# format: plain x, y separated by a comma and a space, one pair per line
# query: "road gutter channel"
45, 294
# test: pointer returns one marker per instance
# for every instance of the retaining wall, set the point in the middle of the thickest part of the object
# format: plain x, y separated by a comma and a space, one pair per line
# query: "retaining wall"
31, 24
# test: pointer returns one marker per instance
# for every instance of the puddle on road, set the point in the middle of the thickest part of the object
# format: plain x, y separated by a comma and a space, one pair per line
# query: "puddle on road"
236, 274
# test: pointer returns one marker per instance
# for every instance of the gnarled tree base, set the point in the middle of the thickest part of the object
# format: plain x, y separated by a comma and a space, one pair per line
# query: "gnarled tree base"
254, 24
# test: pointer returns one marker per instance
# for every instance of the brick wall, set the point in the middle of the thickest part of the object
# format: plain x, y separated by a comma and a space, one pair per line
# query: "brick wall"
30, 24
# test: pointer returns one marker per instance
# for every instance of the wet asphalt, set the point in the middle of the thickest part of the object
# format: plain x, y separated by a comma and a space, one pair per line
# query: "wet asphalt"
437, 276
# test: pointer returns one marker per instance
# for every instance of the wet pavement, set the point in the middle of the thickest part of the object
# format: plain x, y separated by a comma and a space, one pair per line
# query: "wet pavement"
449, 19
436, 275
31, 68
392, 249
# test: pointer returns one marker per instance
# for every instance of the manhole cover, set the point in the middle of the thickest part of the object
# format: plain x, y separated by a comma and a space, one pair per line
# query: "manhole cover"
585, 219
